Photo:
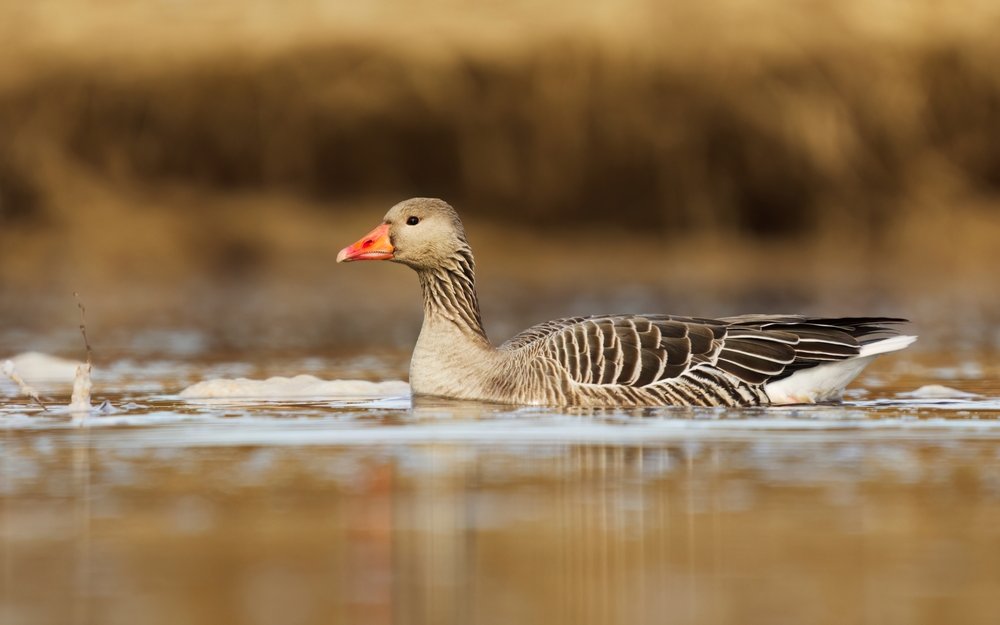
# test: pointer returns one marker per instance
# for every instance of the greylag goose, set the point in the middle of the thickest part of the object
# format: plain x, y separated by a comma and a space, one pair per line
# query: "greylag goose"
609, 360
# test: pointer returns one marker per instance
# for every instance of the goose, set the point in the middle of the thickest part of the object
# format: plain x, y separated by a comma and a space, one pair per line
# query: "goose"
609, 361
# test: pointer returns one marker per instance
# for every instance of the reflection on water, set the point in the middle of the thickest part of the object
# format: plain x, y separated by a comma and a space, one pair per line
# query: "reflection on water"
778, 528
883, 511
775, 529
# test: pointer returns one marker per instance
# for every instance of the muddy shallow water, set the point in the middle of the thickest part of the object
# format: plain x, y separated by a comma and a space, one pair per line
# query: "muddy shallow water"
382, 510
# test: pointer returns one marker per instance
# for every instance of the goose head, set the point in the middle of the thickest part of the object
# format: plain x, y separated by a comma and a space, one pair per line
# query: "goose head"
424, 233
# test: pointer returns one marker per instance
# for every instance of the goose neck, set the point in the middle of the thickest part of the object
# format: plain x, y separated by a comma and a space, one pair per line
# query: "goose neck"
449, 293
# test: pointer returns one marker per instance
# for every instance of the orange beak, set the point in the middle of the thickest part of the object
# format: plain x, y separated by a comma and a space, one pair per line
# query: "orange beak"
373, 246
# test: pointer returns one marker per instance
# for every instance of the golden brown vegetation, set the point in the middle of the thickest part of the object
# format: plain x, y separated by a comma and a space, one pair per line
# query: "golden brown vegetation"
168, 143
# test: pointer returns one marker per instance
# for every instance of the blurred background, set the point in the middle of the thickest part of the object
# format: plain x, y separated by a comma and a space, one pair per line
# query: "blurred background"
192, 167
197, 165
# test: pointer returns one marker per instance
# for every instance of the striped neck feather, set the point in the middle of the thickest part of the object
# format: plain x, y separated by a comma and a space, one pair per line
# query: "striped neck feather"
450, 293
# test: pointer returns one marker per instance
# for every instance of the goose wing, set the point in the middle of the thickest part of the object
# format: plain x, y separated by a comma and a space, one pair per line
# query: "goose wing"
646, 350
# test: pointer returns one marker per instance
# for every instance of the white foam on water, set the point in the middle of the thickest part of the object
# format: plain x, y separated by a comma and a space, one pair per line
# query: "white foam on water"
298, 387
39, 368
938, 391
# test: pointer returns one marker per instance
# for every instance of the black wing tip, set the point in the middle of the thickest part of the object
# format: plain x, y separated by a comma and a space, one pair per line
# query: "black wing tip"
838, 320
856, 326
872, 320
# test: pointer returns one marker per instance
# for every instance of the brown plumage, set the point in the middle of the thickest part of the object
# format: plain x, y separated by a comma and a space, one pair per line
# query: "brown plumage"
609, 360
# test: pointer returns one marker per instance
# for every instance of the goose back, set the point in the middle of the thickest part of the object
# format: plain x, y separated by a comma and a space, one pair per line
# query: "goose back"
643, 360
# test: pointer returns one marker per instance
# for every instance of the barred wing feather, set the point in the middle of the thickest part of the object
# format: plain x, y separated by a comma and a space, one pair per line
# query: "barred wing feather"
718, 359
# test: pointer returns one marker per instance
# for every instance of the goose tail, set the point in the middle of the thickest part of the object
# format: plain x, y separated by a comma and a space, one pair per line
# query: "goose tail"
826, 382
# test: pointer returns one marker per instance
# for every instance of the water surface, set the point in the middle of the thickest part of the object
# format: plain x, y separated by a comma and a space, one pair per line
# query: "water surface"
382, 510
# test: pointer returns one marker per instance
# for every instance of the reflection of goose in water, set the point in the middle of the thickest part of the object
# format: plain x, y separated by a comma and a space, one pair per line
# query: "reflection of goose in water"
609, 360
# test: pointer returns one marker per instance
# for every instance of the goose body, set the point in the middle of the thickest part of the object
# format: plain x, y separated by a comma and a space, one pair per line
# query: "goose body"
609, 360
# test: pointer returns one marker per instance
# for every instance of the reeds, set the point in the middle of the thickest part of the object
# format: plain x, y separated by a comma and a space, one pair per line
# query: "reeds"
559, 129
790, 148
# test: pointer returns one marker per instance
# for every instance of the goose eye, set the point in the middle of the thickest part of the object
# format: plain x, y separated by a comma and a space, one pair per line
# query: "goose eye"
412, 221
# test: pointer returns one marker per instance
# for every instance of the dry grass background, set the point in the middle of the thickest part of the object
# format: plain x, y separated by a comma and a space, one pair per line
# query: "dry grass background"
201, 162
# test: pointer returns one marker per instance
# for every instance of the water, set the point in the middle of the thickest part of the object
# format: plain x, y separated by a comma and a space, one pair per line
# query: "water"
382, 510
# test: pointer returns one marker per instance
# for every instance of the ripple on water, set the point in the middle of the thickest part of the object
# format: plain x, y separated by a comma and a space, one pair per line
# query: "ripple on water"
171, 422
310, 410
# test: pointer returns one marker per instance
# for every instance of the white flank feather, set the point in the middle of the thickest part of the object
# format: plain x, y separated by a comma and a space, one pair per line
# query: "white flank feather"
827, 381
891, 344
